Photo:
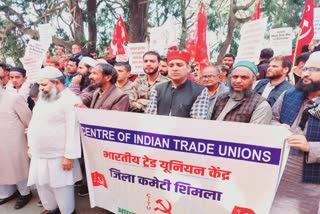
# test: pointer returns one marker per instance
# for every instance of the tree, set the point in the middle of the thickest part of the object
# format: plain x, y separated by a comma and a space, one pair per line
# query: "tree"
233, 21
138, 20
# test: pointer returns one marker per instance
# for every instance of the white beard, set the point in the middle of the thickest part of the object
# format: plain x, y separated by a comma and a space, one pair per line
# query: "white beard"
53, 95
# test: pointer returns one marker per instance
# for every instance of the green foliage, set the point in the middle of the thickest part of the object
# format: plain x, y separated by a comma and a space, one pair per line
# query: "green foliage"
280, 13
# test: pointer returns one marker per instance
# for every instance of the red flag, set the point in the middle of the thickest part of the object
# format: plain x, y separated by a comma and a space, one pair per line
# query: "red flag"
201, 53
98, 179
256, 14
120, 36
306, 30
191, 44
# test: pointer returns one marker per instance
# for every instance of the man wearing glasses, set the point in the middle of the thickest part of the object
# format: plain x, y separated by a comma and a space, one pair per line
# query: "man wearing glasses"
210, 78
298, 109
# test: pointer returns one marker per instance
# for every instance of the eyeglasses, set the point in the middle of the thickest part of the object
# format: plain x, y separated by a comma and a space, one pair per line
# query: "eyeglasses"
208, 76
312, 69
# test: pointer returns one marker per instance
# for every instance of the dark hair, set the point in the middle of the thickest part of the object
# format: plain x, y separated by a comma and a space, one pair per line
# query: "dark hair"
34, 90
126, 65
73, 59
224, 68
154, 53
302, 58
229, 55
163, 58
305, 48
112, 61
109, 70
61, 46
266, 53
286, 62
22, 71
5, 66
77, 44
62, 79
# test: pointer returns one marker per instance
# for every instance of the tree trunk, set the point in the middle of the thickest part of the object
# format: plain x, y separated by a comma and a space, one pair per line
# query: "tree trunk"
138, 10
232, 24
77, 21
92, 24
183, 37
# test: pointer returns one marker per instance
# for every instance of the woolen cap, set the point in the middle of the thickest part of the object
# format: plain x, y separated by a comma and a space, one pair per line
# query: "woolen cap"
89, 61
182, 55
246, 64
50, 72
314, 60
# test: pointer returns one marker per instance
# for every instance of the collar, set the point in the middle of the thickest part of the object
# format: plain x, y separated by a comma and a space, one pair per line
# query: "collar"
183, 85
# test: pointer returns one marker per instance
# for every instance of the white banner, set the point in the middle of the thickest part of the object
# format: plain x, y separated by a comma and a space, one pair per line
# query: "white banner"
138, 163
33, 59
161, 38
45, 35
252, 40
281, 41
316, 23
135, 54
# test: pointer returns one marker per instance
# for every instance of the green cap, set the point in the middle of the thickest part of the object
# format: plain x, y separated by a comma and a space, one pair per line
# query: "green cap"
246, 64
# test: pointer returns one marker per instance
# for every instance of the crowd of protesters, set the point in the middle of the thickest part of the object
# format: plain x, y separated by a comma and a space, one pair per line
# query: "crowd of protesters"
41, 145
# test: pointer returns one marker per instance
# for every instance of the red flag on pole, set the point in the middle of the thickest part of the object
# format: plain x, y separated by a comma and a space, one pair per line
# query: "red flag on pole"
201, 51
191, 44
120, 36
306, 30
256, 14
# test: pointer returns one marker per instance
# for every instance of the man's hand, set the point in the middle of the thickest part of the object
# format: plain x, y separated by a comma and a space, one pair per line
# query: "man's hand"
80, 105
77, 79
300, 142
67, 164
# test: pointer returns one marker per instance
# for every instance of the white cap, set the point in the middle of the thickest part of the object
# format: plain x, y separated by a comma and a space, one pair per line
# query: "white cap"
89, 61
50, 72
102, 61
314, 60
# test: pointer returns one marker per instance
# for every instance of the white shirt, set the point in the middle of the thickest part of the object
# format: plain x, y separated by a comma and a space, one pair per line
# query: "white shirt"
24, 90
53, 130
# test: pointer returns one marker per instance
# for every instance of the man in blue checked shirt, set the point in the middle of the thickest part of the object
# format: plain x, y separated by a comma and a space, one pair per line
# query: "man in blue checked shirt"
179, 97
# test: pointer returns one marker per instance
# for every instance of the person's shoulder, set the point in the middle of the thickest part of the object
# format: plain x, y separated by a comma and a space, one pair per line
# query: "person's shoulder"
9, 95
196, 85
163, 78
70, 97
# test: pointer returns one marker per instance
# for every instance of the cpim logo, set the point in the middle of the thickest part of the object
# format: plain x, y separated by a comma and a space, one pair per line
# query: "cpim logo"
242, 210
98, 179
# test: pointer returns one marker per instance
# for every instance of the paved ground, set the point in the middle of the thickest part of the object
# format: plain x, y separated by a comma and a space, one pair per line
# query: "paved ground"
82, 206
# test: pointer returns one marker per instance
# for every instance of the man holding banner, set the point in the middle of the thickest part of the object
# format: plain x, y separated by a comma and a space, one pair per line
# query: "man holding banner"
179, 97
139, 96
241, 104
299, 110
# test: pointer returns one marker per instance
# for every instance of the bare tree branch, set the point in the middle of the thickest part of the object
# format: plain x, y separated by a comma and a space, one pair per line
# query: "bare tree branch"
244, 7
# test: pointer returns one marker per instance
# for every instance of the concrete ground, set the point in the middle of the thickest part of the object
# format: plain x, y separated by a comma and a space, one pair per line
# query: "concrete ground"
82, 207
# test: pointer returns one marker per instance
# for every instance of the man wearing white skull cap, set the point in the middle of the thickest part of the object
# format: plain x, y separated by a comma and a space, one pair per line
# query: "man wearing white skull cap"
54, 143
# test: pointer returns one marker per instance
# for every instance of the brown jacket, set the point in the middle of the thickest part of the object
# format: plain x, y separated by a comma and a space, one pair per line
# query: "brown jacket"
242, 112
112, 99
